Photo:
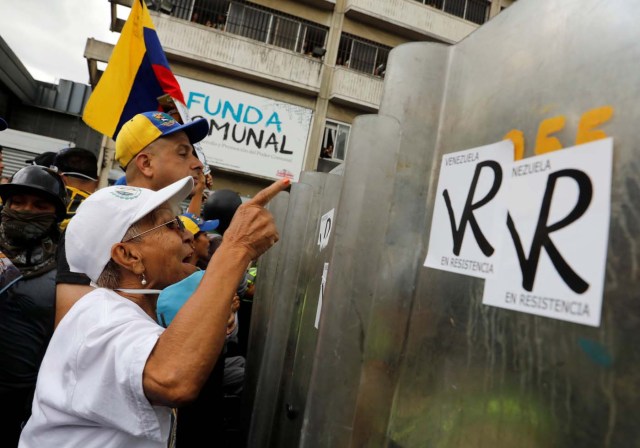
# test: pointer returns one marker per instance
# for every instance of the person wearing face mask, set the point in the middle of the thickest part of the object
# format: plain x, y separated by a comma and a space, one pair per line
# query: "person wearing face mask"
111, 374
34, 203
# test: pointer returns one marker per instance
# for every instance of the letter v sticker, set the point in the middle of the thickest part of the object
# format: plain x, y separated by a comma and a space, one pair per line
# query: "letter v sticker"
553, 248
469, 209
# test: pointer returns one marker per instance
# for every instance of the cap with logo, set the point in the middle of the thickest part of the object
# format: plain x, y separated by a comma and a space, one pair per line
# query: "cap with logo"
147, 127
77, 162
104, 217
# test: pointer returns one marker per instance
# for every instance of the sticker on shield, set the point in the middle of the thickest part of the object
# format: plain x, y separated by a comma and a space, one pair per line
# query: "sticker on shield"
552, 256
470, 210
324, 232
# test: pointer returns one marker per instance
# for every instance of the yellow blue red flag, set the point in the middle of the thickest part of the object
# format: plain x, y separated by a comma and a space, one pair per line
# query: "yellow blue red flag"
137, 74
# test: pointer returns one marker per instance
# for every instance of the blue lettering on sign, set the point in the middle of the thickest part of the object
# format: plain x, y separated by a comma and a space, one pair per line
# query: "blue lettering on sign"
240, 113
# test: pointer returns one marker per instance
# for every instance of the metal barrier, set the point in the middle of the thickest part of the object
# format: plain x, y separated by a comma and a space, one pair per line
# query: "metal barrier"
408, 356
263, 304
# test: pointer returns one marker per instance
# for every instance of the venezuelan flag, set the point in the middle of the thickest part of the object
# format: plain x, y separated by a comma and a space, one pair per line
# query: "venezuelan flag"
136, 75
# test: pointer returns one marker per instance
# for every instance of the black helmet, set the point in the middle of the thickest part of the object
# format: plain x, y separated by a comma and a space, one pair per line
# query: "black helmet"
221, 205
40, 181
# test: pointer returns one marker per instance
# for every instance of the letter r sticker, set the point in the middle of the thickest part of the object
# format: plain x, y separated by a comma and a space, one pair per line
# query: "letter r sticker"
469, 208
554, 247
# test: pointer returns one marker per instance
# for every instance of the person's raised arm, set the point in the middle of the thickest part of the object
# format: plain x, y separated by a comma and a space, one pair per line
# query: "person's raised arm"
195, 205
187, 350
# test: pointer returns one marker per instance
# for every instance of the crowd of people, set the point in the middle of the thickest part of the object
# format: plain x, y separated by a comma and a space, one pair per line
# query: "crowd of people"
119, 310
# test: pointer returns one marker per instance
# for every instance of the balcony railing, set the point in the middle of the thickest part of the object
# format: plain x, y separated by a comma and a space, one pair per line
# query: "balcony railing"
252, 21
353, 88
476, 11
411, 18
237, 53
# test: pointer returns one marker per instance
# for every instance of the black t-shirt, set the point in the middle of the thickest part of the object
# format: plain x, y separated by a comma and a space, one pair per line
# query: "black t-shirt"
64, 273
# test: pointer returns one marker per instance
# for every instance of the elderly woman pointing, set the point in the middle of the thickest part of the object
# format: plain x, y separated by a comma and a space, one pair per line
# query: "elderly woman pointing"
111, 374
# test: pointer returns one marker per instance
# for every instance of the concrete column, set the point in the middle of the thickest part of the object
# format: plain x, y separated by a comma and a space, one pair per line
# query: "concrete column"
322, 101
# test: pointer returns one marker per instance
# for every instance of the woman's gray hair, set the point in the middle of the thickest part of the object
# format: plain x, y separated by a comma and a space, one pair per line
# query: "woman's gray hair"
110, 276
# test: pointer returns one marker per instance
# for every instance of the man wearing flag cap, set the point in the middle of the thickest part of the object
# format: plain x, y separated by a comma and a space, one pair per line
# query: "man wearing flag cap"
155, 150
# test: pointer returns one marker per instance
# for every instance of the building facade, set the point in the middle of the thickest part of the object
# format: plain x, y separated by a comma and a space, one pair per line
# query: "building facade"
315, 64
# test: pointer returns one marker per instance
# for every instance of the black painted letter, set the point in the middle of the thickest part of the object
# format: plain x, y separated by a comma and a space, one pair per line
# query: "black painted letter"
469, 207
541, 238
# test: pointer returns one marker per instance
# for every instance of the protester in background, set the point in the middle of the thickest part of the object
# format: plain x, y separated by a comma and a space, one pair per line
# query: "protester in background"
79, 170
195, 205
199, 228
221, 205
112, 373
215, 239
327, 153
34, 203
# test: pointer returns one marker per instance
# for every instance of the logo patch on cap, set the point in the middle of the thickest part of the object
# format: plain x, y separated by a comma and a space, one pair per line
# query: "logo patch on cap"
164, 119
126, 193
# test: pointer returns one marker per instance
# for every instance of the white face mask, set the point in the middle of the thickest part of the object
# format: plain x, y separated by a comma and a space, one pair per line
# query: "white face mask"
171, 298
139, 291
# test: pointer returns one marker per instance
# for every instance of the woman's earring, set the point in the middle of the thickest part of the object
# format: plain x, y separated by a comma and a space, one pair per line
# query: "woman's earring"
144, 280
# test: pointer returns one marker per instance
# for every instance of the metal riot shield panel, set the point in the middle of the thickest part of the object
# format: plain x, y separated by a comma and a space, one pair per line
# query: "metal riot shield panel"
548, 75
290, 337
262, 305
294, 234
305, 318
444, 370
365, 203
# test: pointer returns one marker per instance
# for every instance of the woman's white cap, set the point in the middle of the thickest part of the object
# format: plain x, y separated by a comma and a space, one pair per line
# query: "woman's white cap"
104, 217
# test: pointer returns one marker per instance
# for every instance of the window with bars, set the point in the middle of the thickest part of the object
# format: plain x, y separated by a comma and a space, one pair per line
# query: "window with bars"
362, 55
275, 28
476, 11
249, 20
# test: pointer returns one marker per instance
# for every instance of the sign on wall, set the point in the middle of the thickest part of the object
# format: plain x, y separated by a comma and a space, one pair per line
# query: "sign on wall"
553, 252
469, 211
249, 133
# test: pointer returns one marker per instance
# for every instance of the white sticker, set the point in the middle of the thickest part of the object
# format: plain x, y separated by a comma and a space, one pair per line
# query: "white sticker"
322, 284
552, 253
326, 224
470, 210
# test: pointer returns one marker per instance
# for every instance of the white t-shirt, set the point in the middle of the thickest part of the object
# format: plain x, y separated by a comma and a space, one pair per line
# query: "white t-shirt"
89, 390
